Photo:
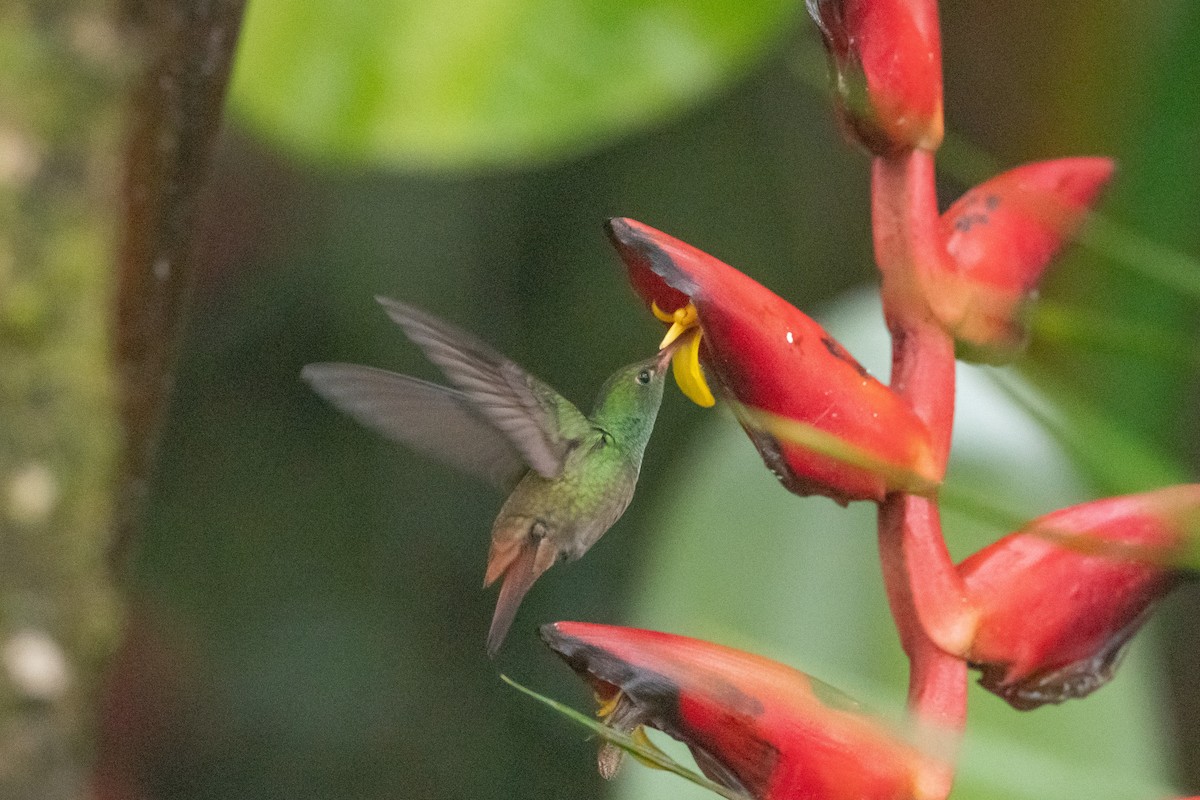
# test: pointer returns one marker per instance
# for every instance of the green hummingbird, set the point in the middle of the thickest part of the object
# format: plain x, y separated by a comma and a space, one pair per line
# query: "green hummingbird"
570, 476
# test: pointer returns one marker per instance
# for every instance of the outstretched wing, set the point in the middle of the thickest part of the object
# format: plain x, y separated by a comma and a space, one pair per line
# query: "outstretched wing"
434, 420
542, 424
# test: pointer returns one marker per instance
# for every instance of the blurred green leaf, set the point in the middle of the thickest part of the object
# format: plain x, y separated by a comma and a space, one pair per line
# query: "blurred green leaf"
1143, 256
1139, 266
1115, 459
477, 83
1087, 329
815, 440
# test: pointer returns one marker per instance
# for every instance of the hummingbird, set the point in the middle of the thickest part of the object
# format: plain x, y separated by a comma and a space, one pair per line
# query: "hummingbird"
570, 476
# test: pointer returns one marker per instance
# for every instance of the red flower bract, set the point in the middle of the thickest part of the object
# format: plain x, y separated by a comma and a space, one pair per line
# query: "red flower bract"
1060, 599
765, 354
1000, 237
886, 69
754, 725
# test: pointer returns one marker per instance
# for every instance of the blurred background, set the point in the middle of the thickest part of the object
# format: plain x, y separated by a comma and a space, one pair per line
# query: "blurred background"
308, 618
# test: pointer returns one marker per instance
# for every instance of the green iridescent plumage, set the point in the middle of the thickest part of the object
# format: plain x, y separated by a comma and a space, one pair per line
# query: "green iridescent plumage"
571, 476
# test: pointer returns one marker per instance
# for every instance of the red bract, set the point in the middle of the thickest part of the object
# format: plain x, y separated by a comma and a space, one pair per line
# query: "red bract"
764, 354
754, 725
1059, 600
885, 65
1000, 237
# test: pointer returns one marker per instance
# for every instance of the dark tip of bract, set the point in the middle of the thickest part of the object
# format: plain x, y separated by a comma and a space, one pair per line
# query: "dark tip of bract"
635, 240
575, 652
549, 633
1051, 687
618, 228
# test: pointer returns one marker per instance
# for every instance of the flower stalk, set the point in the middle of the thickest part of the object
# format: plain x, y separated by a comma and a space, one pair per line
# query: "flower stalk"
925, 593
1043, 613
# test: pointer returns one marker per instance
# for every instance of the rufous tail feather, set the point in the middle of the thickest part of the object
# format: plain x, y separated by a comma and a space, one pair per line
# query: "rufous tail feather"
534, 557
518, 577
501, 556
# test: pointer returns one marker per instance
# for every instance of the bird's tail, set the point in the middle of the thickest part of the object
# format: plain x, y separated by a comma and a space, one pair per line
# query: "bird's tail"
533, 556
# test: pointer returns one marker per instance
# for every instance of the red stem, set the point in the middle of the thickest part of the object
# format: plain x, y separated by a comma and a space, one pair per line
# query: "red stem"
926, 594
908, 250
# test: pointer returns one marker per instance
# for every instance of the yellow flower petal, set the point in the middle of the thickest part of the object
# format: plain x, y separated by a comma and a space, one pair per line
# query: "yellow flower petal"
663, 316
682, 321
640, 737
685, 365
608, 706
685, 361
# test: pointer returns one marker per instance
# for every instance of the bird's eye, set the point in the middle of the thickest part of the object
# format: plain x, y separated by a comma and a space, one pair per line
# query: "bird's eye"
643, 377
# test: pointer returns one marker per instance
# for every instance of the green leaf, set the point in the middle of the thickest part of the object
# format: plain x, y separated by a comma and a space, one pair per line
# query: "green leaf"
1089, 329
477, 82
896, 476
1115, 459
642, 749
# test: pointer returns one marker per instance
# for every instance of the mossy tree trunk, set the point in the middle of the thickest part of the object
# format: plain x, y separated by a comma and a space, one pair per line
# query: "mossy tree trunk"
78, 425
60, 125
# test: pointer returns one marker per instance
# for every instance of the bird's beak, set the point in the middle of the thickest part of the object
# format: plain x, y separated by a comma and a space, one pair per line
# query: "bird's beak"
673, 348
666, 354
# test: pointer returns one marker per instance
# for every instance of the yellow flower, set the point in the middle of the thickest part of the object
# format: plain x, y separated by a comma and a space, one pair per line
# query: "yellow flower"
685, 362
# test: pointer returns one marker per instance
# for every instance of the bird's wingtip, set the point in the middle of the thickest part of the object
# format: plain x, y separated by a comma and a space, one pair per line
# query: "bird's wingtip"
392, 307
319, 375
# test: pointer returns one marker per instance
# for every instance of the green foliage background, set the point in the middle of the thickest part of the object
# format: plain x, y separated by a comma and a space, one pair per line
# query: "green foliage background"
323, 585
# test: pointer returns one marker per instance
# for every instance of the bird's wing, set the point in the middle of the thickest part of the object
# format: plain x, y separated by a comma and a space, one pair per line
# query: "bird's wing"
542, 424
434, 420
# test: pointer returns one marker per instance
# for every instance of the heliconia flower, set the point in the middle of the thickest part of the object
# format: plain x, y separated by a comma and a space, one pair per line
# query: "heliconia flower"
1000, 237
822, 424
1060, 599
753, 725
885, 64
